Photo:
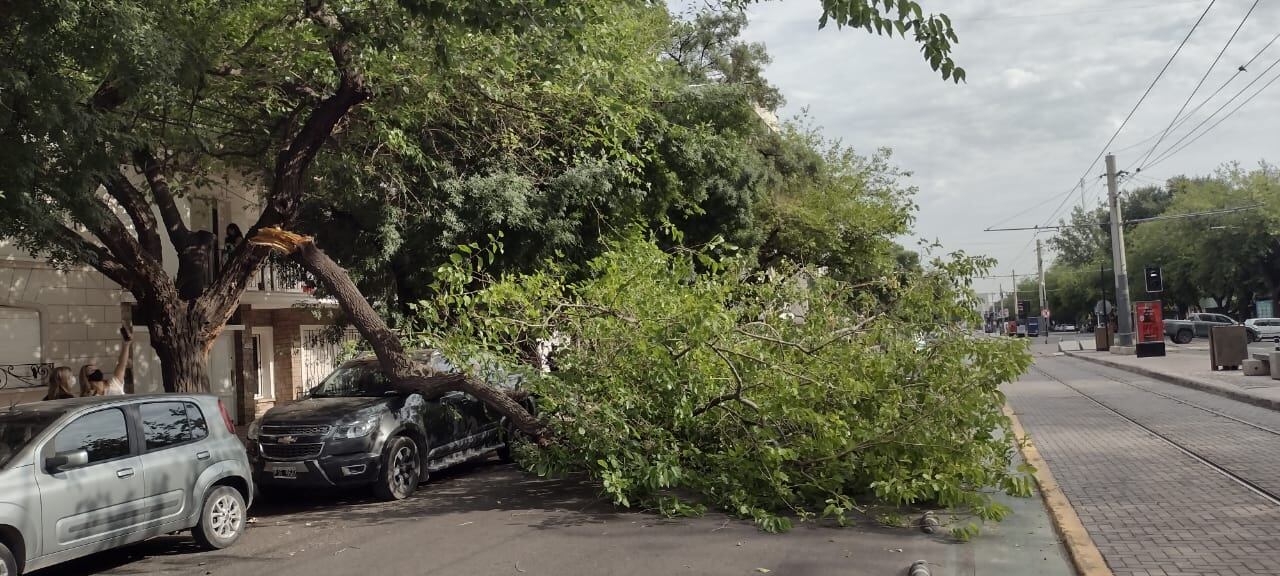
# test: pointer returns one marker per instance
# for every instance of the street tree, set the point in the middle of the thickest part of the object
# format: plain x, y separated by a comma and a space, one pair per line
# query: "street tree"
112, 111
1225, 257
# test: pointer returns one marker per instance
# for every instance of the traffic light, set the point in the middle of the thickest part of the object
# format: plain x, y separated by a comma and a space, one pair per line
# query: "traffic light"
1154, 281
1023, 307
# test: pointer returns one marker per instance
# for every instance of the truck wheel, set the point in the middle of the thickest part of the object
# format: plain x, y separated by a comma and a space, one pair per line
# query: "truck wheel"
222, 519
401, 470
511, 436
1183, 337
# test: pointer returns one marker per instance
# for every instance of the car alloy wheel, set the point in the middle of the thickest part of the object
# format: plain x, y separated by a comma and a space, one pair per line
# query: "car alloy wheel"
225, 517
222, 519
8, 564
404, 470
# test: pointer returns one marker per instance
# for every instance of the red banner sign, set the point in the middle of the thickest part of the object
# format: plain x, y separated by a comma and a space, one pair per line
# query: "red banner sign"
1150, 321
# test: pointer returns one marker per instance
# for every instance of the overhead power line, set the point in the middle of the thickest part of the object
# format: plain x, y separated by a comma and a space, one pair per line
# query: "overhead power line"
1075, 13
1067, 195
1183, 120
1187, 102
1171, 151
1134, 221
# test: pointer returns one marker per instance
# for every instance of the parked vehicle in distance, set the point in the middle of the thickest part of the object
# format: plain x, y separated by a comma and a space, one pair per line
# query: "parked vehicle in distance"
1065, 328
1195, 326
83, 475
355, 430
1263, 329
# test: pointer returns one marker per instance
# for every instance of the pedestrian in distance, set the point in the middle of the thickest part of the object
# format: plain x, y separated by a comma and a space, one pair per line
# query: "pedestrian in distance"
93, 382
61, 384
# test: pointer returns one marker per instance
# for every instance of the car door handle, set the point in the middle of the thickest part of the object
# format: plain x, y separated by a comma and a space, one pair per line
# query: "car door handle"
124, 473
202, 455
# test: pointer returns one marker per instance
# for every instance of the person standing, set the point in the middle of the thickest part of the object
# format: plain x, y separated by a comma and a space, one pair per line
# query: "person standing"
93, 382
60, 384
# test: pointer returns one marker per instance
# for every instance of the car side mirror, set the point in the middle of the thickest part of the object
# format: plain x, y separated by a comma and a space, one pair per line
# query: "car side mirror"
67, 460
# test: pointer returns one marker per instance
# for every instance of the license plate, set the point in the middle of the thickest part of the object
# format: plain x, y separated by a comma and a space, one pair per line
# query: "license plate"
282, 470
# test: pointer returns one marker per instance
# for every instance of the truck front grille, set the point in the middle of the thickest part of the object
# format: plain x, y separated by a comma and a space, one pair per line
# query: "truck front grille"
295, 429
291, 451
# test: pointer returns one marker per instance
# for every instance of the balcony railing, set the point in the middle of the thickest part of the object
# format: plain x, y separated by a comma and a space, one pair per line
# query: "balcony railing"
278, 275
13, 376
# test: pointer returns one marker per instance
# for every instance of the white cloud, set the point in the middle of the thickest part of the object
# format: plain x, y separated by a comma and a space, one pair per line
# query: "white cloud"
1044, 93
1015, 78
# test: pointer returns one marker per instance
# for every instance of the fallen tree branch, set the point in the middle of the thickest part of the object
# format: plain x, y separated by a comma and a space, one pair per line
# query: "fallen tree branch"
405, 374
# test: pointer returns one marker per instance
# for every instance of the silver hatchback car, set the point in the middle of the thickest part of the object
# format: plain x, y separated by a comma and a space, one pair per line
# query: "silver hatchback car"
87, 474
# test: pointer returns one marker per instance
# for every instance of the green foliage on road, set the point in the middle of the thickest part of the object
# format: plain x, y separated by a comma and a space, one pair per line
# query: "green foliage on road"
690, 378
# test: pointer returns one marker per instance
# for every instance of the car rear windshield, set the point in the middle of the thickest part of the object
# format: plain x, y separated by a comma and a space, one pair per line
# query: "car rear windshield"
352, 381
17, 429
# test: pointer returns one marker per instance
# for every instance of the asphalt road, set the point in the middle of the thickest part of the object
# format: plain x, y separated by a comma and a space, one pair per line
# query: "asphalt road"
490, 519
1166, 479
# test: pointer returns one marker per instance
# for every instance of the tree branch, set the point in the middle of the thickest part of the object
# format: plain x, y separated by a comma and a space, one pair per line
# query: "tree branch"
735, 395
93, 255
405, 373
135, 205
173, 223
287, 187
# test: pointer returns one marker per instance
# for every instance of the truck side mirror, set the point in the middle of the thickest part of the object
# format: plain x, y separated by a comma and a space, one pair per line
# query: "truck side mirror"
67, 460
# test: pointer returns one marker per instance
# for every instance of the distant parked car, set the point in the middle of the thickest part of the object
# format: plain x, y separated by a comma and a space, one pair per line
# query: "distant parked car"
356, 430
1195, 326
83, 475
1066, 328
1263, 329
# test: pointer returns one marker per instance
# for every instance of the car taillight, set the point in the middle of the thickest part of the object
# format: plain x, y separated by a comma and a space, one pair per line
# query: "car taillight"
226, 418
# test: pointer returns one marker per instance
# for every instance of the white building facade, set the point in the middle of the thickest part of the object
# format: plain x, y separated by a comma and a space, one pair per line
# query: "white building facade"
277, 346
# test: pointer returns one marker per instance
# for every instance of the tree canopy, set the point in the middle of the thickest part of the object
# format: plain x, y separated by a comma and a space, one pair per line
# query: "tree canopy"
1227, 256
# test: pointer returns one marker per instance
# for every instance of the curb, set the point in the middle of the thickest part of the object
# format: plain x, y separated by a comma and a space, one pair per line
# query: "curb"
1220, 390
1084, 554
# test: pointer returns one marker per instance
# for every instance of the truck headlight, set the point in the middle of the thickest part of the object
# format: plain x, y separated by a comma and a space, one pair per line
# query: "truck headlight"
255, 428
356, 428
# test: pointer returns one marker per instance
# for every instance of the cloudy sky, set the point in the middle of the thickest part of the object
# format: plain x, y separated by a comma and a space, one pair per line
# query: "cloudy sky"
1048, 83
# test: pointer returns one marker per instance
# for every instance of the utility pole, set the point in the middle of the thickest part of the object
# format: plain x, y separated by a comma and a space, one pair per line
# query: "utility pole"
1043, 301
1083, 208
1000, 313
1124, 322
1013, 275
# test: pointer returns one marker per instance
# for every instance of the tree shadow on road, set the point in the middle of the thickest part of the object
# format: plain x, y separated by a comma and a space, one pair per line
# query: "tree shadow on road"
472, 487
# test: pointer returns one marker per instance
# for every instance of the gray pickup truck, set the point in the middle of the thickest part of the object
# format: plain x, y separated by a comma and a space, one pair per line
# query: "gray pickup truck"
1195, 326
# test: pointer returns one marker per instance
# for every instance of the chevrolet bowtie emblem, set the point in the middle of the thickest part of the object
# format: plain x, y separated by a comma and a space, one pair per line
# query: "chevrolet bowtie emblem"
287, 439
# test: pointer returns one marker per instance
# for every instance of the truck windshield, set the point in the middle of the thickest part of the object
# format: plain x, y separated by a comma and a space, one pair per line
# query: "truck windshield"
17, 429
352, 381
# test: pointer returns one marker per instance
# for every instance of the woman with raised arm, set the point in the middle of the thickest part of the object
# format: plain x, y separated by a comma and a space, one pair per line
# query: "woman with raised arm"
94, 383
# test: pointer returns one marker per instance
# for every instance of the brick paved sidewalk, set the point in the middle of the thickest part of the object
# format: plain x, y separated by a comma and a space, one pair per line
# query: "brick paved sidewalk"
1151, 508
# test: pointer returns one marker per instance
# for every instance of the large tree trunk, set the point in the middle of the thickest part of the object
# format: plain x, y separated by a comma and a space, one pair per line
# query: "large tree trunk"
405, 374
183, 353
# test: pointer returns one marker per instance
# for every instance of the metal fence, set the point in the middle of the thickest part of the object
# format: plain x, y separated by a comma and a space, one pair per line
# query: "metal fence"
13, 376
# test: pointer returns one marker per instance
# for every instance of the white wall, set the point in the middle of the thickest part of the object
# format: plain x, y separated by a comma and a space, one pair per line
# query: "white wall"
79, 314
20, 336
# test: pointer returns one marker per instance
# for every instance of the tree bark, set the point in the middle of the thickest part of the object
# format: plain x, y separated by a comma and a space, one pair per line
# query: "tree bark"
405, 374
183, 354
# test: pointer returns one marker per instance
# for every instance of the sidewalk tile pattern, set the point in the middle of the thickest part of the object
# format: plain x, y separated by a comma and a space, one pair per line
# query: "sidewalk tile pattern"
1150, 508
